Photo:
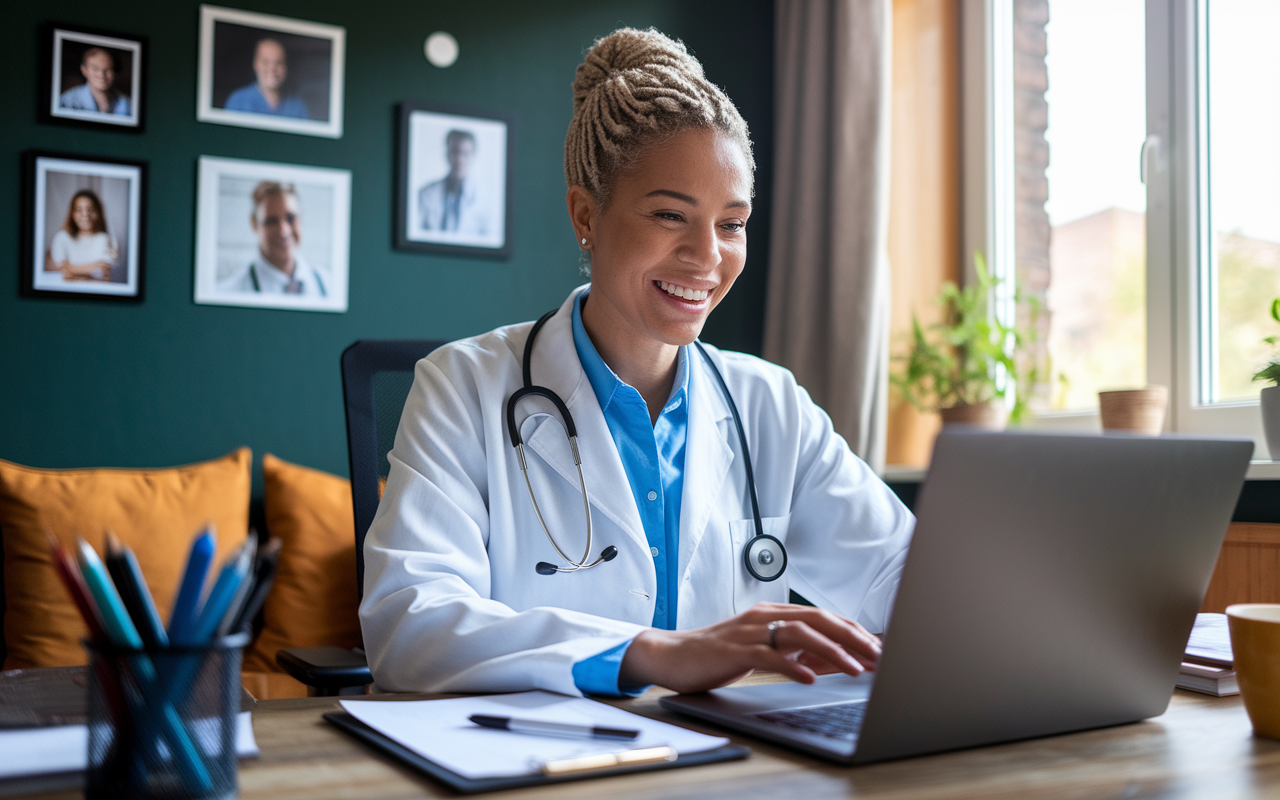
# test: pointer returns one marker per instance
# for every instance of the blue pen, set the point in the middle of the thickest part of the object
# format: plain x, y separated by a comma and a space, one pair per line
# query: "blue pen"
186, 607
220, 597
122, 632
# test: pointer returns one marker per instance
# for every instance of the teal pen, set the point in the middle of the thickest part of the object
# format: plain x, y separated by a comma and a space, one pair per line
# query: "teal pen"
186, 607
122, 633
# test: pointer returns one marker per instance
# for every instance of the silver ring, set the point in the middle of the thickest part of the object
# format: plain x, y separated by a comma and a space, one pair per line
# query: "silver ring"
773, 628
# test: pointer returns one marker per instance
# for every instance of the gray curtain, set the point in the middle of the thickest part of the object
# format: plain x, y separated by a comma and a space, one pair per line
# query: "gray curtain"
827, 318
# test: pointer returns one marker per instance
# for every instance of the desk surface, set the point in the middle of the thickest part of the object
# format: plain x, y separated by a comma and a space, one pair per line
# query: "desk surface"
1201, 747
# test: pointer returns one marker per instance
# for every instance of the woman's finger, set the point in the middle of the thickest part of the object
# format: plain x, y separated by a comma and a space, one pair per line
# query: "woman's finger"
798, 636
848, 634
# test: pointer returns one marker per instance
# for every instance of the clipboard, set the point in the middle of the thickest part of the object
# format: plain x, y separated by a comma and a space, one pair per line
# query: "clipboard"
368, 735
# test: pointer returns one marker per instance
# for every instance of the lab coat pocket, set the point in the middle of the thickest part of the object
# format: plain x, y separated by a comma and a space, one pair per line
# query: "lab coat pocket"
747, 590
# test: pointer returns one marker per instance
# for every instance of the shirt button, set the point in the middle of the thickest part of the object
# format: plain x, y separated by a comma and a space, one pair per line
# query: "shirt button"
653, 551
653, 496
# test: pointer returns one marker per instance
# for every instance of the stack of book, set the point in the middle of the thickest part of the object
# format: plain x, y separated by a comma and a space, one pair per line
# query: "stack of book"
1207, 664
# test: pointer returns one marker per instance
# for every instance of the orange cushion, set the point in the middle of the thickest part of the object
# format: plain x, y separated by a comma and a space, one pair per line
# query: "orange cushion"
154, 512
313, 601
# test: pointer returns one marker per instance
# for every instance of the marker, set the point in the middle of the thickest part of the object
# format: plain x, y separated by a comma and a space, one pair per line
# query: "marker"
539, 727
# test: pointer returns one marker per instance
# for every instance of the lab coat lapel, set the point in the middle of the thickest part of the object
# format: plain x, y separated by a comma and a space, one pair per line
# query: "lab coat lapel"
707, 456
555, 365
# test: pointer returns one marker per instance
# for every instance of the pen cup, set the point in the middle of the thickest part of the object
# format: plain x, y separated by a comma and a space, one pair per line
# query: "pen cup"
162, 721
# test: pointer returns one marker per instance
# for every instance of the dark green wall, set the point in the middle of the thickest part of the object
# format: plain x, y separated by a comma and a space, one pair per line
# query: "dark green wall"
87, 383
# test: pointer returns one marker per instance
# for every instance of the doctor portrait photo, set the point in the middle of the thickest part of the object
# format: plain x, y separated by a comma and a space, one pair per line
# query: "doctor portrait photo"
87, 225
453, 182
662, 543
272, 235
262, 71
96, 78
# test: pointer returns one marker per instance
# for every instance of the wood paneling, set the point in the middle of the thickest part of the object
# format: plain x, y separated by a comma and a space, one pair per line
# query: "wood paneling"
1248, 569
924, 194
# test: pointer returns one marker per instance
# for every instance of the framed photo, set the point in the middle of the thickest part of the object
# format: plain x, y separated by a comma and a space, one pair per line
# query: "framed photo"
272, 235
274, 73
85, 220
92, 78
453, 181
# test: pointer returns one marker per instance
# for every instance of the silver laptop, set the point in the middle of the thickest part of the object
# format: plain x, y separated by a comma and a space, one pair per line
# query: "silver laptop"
1051, 586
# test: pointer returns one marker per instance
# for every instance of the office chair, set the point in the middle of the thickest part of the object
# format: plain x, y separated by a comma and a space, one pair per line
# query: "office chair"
376, 378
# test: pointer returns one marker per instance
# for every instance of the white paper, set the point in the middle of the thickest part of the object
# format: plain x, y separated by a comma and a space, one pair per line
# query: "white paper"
65, 748
439, 731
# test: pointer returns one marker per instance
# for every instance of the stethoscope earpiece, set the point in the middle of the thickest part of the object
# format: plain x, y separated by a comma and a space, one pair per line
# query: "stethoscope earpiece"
765, 556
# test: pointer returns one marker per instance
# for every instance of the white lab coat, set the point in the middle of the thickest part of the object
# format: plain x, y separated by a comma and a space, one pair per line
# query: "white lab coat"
451, 598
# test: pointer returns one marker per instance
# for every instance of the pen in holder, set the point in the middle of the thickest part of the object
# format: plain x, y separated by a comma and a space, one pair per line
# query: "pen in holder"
162, 721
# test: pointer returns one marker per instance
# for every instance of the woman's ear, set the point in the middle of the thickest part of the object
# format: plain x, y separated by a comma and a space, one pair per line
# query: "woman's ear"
582, 213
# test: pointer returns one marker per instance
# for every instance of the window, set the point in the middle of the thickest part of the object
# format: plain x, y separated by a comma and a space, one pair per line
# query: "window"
1122, 166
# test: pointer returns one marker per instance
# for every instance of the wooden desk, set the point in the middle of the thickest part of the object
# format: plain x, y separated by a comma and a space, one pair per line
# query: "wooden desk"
1202, 747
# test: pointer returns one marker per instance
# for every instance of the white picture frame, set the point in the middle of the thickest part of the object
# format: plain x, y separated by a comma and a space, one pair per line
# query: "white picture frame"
228, 90
127, 59
238, 235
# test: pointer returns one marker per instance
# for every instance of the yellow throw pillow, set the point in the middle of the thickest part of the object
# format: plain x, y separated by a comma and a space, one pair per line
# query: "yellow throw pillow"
314, 601
155, 512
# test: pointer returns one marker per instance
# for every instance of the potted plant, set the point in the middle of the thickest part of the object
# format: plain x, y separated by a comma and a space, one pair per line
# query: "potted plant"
953, 367
1269, 398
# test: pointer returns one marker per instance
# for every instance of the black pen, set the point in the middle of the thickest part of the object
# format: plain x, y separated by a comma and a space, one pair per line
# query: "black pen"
127, 576
545, 728
264, 574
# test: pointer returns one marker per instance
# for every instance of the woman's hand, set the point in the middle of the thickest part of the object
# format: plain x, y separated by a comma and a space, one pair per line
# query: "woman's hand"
810, 641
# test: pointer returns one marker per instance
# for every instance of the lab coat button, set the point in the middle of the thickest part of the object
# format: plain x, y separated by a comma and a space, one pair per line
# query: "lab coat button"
653, 496
653, 551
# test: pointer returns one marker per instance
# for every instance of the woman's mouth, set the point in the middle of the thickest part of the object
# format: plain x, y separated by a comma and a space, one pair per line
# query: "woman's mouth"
689, 296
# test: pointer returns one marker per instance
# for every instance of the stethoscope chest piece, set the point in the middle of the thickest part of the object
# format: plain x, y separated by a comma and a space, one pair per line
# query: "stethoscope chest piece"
765, 558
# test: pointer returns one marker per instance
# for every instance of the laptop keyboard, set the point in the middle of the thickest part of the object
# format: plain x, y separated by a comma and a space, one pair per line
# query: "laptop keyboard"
840, 721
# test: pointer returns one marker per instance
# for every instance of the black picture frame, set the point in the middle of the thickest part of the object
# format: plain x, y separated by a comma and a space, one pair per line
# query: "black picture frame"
58, 44
409, 183
36, 167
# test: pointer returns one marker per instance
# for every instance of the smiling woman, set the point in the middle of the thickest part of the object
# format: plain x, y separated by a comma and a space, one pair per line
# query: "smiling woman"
473, 575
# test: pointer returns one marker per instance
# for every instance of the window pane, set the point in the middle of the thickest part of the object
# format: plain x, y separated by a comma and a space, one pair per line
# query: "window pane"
1244, 192
1095, 332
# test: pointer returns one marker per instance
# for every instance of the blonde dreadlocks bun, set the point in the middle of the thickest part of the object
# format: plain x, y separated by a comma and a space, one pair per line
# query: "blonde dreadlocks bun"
634, 88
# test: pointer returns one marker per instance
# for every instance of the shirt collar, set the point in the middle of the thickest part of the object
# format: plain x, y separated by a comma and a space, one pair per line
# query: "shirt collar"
604, 381
271, 273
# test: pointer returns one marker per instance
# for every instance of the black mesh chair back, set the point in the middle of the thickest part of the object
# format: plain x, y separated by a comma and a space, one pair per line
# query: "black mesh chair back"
376, 377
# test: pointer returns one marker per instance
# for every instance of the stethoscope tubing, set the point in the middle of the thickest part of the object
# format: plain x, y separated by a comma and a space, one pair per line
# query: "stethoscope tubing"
571, 431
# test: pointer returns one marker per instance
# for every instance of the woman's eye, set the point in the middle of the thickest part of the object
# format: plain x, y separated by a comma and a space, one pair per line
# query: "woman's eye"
734, 227
669, 215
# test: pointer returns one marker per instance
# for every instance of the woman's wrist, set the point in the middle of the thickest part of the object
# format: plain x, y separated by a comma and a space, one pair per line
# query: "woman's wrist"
642, 665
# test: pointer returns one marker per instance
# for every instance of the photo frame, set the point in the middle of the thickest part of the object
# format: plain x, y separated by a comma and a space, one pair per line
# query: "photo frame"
84, 227
269, 72
453, 181
92, 78
272, 235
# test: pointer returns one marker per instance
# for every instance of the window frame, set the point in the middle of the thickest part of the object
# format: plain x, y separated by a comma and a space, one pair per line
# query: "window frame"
1174, 163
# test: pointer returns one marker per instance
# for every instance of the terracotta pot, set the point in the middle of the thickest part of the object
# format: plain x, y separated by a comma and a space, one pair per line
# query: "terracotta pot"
1270, 401
989, 416
1138, 411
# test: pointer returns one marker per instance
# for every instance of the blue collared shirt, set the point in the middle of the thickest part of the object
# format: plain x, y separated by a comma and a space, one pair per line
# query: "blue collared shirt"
250, 99
652, 455
81, 99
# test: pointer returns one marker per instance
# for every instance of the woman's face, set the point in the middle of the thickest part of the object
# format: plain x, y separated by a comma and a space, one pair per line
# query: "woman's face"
84, 214
673, 238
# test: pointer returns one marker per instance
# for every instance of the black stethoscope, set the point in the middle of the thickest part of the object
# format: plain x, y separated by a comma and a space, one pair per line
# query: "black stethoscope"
764, 556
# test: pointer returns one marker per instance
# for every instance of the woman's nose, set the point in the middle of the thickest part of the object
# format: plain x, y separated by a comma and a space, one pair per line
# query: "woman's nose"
702, 247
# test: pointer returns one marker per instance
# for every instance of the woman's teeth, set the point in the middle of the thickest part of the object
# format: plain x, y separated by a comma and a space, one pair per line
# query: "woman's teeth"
683, 293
